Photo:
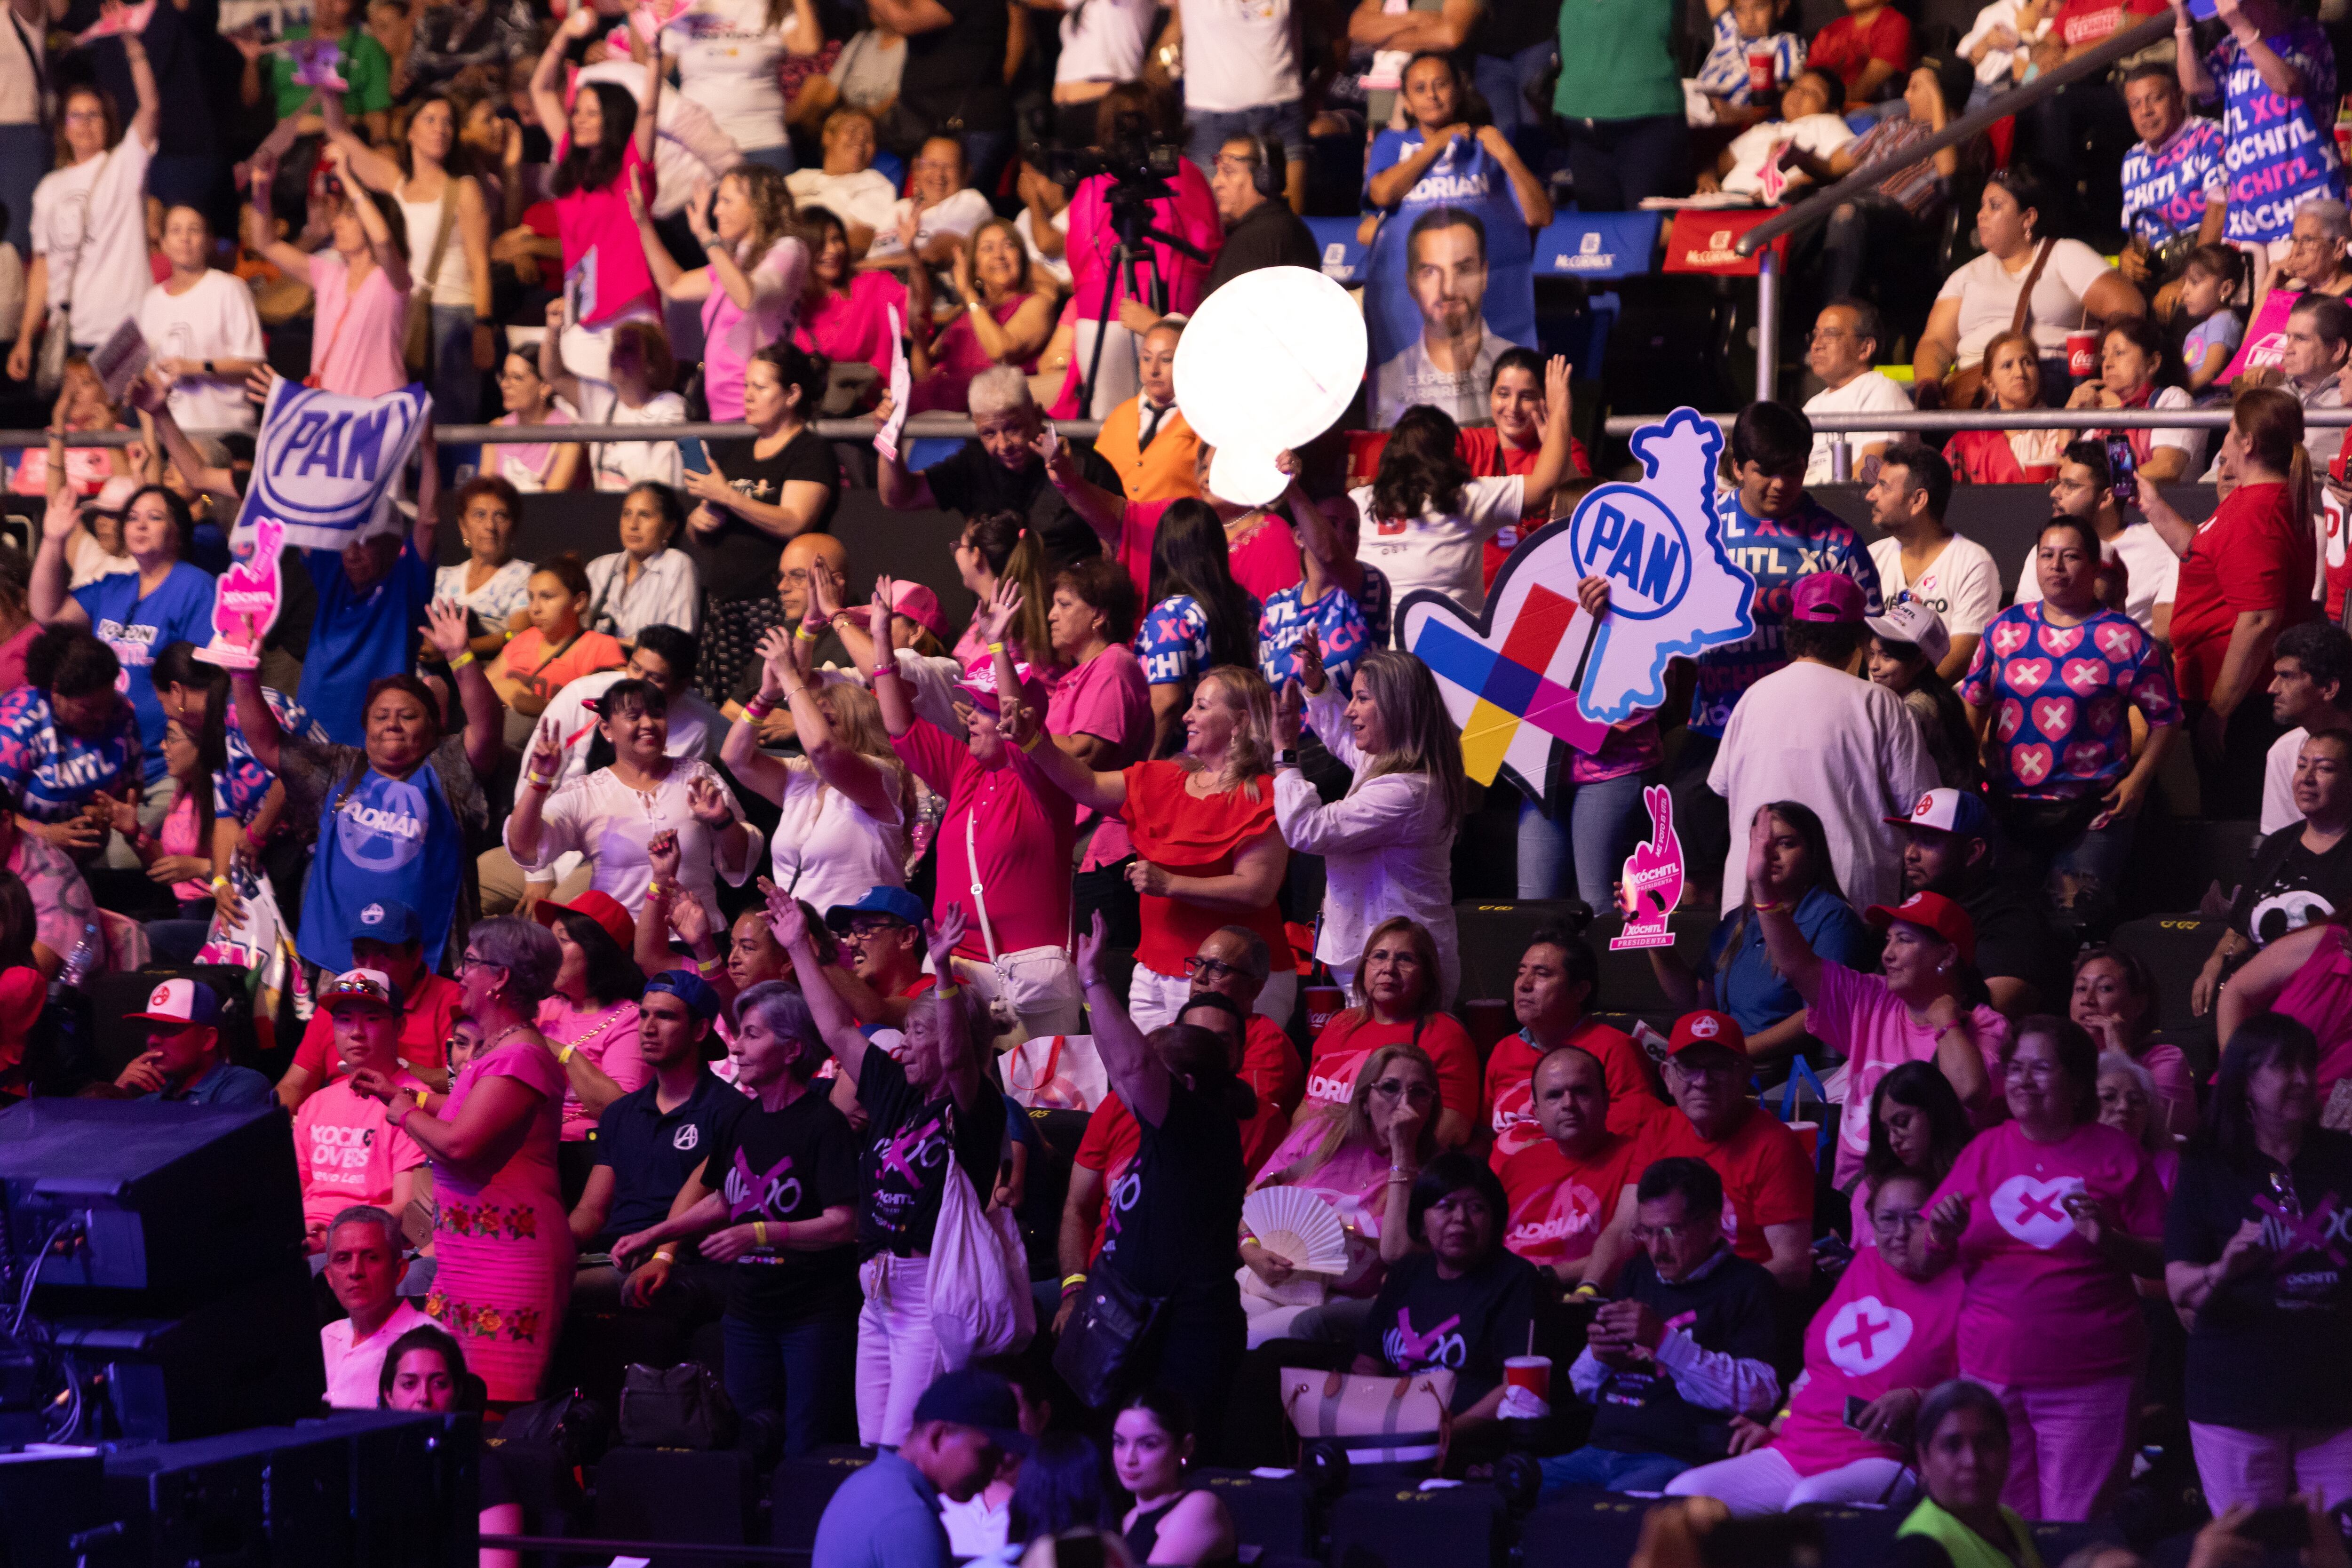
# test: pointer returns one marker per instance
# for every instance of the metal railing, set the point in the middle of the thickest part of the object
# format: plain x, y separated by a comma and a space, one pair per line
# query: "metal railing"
1817, 209
861, 428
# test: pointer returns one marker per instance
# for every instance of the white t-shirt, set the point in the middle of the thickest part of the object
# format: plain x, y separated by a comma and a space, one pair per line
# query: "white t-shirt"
618, 464
1440, 550
696, 728
727, 60
1987, 292
215, 320
91, 221
1998, 65
2278, 780
1103, 40
828, 849
1869, 393
865, 197
2151, 571
1059, 265
1846, 747
1961, 585
1238, 54
1818, 134
963, 211
867, 71
354, 1372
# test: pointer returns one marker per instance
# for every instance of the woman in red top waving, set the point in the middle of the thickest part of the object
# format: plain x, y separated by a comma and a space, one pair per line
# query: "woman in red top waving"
1207, 850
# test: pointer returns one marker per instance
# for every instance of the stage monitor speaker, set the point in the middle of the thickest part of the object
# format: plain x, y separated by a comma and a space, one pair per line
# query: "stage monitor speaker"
46, 1501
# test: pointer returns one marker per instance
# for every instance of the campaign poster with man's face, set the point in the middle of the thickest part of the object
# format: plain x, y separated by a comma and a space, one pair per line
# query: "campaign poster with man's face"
1449, 286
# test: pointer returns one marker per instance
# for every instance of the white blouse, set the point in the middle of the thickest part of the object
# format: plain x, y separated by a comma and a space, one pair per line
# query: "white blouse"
668, 592
1387, 847
611, 824
830, 850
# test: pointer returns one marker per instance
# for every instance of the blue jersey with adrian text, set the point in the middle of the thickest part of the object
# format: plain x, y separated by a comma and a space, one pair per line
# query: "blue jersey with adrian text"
1776, 551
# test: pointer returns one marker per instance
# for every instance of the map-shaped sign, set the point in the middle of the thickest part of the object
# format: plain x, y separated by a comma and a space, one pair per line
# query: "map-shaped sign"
1535, 670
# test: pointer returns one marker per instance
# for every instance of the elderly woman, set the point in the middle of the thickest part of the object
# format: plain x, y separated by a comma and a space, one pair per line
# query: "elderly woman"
1960, 1439
2047, 693
2268, 1380
1361, 1160
1208, 850
1002, 322
2012, 381
613, 814
1398, 1001
489, 585
791, 1325
2128, 1103
2114, 998
2139, 367
398, 806
928, 1108
501, 1242
1819, 1448
2070, 285
1387, 844
2054, 1216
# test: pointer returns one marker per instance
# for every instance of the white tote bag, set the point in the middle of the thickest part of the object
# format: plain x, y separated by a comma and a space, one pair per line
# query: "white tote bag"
1056, 1073
979, 1284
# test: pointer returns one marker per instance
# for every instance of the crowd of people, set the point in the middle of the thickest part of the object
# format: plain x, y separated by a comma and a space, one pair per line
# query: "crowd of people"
683, 934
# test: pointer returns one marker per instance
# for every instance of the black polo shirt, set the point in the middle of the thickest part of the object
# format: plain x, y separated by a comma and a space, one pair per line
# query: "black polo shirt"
1268, 234
971, 481
652, 1155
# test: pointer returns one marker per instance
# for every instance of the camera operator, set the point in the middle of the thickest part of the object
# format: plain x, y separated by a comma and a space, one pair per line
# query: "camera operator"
1134, 179
1260, 229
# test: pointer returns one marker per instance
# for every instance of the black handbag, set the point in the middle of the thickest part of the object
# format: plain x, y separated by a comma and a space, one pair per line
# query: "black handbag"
681, 1407
1103, 1336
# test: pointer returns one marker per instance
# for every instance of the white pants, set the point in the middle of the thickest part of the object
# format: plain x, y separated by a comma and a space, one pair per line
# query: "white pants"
1153, 998
1041, 984
2265, 1468
1761, 1482
897, 1355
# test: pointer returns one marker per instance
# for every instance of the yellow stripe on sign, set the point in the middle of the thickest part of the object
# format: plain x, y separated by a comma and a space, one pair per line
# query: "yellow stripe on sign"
1484, 740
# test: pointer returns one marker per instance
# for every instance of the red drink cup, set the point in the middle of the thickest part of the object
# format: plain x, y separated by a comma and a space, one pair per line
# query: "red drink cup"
1760, 72
1532, 1372
2082, 355
1322, 1003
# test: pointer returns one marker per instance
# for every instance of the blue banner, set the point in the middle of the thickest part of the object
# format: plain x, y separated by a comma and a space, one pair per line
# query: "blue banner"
328, 466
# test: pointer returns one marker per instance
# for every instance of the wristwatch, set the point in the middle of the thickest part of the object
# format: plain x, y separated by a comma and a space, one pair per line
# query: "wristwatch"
1286, 758
208, 367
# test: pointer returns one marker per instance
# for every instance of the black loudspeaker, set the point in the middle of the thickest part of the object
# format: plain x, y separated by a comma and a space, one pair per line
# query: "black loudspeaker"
45, 1503
169, 1244
801, 1487
1272, 1513
371, 1488
1583, 1527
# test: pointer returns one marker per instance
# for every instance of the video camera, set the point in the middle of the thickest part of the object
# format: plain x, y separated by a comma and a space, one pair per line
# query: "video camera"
1138, 168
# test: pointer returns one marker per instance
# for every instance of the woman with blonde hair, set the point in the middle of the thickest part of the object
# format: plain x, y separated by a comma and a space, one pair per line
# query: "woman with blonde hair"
843, 828
1388, 844
1208, 851
750, 290
1362, 1159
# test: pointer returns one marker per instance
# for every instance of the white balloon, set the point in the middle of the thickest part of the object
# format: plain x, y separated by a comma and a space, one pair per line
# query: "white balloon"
1270, 361
1245, 474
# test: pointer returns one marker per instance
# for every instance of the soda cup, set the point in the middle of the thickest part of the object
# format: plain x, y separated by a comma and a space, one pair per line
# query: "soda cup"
1323, 1002
1760, 72
2082, 355
1532, 1372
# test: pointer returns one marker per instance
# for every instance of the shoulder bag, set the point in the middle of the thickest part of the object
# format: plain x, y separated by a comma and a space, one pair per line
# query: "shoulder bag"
1112, 1320
681, 1407
1966, 388
1379, 1418
416, 332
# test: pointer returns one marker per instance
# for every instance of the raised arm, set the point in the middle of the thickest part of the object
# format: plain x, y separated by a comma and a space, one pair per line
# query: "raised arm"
854, 774
2196, 83
152, 399
1103, 512
376, 171
902, 488
839, 1031
675, 282
740, 751
888, 685
1552, 461
547, 76
485, 714
46, 597
1328, 557
1776, 912
261, 237
1135, 1072
380, 245
649, 124
1104, 792
147, 119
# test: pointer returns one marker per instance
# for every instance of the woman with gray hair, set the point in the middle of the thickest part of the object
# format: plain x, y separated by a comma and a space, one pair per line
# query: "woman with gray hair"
501, 1240
776, 1195
2128, 1103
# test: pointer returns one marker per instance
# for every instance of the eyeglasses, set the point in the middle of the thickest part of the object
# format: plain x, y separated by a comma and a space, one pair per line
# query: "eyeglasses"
1397, 1088
866, 930
1900, 1220
1684, 1231
476, 961
1210, 969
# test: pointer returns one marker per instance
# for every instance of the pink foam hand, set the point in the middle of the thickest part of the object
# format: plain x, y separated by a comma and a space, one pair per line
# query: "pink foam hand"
315, 63
1654, 872
134, 19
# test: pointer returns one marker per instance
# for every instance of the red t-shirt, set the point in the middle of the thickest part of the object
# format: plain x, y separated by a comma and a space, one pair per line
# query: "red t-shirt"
1194, 837
1270, 1065
2088, 21
1345, 1043
1847, 49
1510, 1086
2254, 554
1560, 1206
1112, 1138
426, 1016
1767, 1179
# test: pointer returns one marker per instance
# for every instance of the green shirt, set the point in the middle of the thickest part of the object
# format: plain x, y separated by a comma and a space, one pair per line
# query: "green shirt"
1617, 60
364, 65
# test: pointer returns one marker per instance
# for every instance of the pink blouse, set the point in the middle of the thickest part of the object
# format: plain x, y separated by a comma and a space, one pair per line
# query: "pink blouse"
355, 338
1191, 214
604, 1035
957, 357
855, 325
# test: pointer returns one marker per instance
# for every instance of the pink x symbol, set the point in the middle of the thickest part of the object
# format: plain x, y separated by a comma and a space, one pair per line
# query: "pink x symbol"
903, 1143
2030, 1206
1865, 1331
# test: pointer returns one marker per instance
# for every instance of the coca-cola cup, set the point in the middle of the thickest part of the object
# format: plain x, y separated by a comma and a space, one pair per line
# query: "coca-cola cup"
1760, 72
2082, 355
1532, 1372
1323, 1002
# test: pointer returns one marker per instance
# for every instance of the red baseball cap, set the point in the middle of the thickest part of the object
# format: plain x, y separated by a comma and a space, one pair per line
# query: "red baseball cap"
1936, 913
600, 907
1706, 1028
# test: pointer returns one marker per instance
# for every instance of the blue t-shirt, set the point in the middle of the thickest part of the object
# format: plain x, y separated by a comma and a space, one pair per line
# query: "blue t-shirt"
386, 838
227, 1085
1173, 644
1776, 551
2224, 329
2281, 151
49, 771
137, 629
1339, 631
2165, 191
357, 638
1465, 174
241, 783
1750, 992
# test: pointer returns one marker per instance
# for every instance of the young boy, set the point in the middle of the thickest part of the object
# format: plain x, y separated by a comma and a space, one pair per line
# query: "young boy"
1867, 47
1745, 32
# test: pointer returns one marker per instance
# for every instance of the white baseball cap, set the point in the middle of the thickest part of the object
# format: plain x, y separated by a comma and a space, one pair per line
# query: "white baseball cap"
1913, 620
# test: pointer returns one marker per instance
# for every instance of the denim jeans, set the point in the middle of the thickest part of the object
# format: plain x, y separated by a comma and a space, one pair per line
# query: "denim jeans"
1605, 1467
1503, 81
456, 384
1206, 130
985, 153
1585, 843
802, 1369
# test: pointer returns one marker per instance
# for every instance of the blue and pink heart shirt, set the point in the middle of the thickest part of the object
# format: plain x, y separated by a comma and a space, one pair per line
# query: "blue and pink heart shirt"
2058, 696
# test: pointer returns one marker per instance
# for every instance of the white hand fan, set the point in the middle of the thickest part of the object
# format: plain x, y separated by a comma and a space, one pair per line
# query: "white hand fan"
1295, 1224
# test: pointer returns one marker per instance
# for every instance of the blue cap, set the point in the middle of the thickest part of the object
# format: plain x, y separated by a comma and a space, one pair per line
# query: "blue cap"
896, 902
689, 988
386, 919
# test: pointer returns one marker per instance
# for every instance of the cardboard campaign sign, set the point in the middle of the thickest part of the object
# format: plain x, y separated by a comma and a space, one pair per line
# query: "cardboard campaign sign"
328, 467
1534, 670
1701, 240
1652, 884
245, 600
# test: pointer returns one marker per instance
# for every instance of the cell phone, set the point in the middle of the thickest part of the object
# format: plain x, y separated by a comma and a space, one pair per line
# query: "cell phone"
696, 459
2280, 1527
2123, 469
1854, 1406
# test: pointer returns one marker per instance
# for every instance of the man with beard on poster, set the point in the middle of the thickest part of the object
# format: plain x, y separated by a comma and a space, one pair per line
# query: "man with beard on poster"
1452, 363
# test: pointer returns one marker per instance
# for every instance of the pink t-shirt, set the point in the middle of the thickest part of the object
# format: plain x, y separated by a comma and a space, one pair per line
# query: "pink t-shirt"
1265, 561
855, 325
601, 245
2044, 1308
2176, 1088
1105, 696
1877, 1333
1857, 1015
179, 836
957, 357
731, 336
355, 339
604, 1035
348, 1150
1020, 824
1355, 1182
525, 463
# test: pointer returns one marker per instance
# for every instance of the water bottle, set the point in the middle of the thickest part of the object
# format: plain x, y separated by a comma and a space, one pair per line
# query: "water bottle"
84, 956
